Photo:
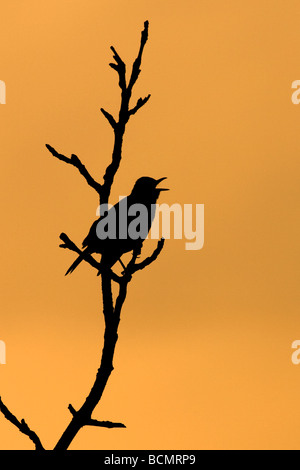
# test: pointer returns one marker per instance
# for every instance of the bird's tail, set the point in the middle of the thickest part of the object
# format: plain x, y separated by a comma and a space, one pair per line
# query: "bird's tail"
77, 262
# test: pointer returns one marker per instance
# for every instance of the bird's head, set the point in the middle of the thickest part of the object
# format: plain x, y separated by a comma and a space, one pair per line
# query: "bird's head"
146, 187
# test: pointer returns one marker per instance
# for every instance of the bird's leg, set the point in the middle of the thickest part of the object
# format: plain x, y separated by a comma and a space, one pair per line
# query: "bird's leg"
122, 264
138, 250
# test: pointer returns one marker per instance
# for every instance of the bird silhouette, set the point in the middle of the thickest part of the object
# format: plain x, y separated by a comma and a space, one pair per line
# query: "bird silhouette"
125, 230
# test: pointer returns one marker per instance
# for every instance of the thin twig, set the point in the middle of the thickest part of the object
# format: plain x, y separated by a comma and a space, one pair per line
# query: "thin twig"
75, 161
95, 422
69, 245
120, 67
141, 102
137, 63
146, 262
104, 424
109, 117
72, 409
21, 425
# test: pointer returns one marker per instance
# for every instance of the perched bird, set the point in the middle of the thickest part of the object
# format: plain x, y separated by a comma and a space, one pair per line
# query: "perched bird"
125, 230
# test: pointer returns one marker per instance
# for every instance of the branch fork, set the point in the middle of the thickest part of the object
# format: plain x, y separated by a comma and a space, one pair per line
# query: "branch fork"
21, 425
95, 422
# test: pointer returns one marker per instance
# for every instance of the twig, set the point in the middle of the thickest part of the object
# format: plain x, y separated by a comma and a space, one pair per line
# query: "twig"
124, 112
21, 425
95, 422
104, 424
68, 244
137, 63
109, 117
75, 161
120, 67
82, 417
72, 409
146, 262
141, 102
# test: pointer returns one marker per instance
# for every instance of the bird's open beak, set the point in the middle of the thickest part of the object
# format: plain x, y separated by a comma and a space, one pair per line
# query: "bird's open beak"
159, 181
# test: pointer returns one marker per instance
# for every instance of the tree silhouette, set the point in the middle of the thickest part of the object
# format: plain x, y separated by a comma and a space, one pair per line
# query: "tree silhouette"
112, 307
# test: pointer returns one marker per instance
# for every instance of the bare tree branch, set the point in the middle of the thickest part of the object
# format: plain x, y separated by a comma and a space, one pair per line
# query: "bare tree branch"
104, 424
111, 309
68, 244
111, 312
95, 422
137, 63
75, 161
139, 266
21, 425
72, 409
141, 102
109, 117
121, 296
107, 295
124, 112
120, 67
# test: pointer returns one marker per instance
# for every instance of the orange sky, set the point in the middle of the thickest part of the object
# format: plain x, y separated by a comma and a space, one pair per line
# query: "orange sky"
204, 352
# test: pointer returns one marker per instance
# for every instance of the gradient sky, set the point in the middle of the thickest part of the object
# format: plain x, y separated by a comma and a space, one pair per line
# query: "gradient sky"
203, 359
